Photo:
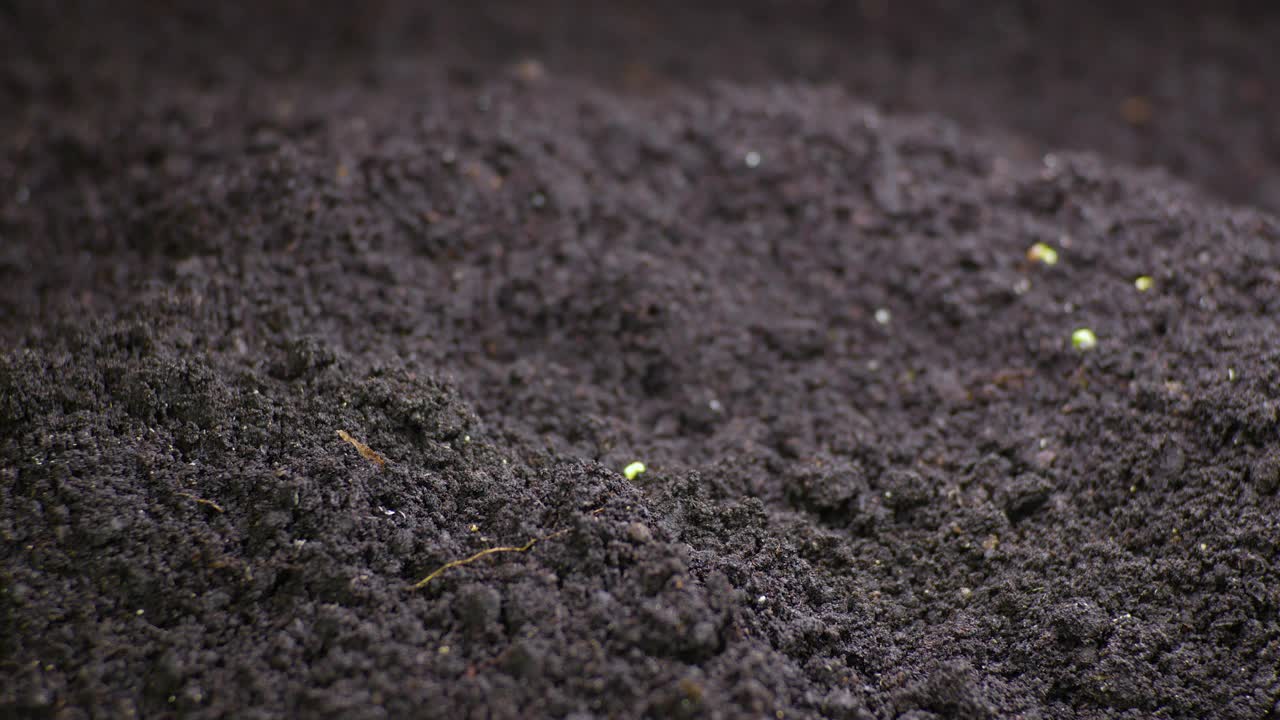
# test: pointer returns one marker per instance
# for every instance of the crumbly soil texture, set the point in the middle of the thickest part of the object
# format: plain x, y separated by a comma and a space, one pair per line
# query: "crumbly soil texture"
302, 304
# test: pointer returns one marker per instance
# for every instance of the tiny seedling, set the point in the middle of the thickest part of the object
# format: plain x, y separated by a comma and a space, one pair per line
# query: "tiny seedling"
1042, 253
633, 470
1143, 283
1084, 339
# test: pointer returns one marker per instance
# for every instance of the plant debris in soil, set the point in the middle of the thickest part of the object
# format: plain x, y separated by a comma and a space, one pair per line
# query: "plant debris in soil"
881, 478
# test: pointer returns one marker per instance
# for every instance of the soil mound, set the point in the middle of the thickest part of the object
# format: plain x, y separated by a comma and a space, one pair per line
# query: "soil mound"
881, 478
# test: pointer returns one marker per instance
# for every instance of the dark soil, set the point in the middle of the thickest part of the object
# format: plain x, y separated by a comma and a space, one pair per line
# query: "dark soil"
513, 247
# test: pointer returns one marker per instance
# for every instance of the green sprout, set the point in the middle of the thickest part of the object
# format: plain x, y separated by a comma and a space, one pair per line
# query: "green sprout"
1143, 283
633, 470
1084, 339
1042, 253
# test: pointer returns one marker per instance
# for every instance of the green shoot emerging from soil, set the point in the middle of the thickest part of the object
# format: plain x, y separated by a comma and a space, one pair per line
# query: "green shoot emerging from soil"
1084, 339
633, 470
1042, 253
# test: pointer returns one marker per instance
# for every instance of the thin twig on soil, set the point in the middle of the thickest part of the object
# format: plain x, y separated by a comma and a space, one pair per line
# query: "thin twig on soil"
365, 451
202, 501
490, 551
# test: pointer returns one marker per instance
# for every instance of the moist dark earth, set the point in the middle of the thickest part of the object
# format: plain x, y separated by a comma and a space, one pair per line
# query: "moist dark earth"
777, 252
